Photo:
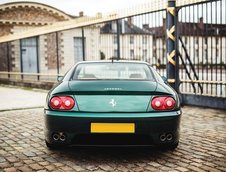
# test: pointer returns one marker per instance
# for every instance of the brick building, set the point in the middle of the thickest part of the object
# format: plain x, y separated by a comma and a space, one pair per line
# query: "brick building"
135, 42
205, 42
39, 54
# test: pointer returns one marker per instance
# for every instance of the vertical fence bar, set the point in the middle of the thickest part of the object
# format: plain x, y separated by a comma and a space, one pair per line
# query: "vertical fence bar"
194, 40
158, 44
198, 42
221, 56
189, 44
57, 53
21, 60
207, 47
211, 45
118, 39
154, 60
222, 47
83, 45
37, 52
203, 46
216, 49
139, 38
187, 39
171, 46
8, 60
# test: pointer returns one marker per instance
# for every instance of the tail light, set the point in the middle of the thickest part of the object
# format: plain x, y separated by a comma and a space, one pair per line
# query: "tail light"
163, 103
62, 102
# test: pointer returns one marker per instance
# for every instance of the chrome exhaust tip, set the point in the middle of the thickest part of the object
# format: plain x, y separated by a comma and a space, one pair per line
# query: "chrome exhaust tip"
169, 137
62, 138
162, 137
56, 137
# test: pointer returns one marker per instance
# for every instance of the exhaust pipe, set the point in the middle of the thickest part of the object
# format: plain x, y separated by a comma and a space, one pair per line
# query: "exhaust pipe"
62, 137
56, 137
169, 137
162, 137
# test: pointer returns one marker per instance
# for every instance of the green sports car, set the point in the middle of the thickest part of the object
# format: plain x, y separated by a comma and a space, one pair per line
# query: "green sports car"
112, 103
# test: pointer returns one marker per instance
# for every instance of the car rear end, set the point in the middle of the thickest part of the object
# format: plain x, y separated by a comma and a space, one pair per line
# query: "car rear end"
133, 108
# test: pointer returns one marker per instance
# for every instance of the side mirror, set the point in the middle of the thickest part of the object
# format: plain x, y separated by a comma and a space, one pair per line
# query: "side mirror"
59, 78
164, 79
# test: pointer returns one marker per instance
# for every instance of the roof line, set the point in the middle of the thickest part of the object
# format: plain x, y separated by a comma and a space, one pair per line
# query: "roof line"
18, 3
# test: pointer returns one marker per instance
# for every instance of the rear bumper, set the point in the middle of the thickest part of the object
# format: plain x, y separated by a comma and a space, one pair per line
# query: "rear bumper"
74, 125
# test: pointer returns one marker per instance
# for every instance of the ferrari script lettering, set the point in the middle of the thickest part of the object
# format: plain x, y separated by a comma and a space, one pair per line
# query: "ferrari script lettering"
112, 89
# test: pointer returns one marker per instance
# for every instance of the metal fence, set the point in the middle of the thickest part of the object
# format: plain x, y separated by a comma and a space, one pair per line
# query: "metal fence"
139, 34
201, 50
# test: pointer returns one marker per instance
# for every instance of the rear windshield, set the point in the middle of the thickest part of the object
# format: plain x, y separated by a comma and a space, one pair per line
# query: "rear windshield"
112, 71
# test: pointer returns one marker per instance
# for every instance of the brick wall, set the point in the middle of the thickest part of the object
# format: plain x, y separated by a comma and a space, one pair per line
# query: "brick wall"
51, 50
3, 59
5, 29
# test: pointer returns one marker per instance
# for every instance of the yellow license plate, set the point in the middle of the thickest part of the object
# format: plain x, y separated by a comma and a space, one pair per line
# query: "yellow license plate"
112, 128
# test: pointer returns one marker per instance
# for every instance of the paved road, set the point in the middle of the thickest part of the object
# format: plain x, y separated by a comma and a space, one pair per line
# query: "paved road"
202, 147
18, 98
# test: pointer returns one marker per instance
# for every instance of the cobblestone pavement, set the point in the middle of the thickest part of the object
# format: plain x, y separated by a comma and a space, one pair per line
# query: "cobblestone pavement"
202, 147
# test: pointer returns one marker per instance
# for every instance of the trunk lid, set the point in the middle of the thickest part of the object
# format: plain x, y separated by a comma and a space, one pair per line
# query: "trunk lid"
113, 96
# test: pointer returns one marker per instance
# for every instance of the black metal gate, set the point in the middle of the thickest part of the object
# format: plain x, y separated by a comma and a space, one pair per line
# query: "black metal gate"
201, 50
185, 40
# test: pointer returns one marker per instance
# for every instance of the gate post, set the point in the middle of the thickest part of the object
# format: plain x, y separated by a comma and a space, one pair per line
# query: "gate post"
172, 65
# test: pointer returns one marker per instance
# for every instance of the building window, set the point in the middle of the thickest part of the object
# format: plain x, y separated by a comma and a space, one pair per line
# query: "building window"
205, 56
145, 40
197, 53
115, 39
145, 54
163, 53
154, 41
186, 40
206, 41
132, 54
78, 49
163, 40
217, 40
154, 51
197, 41
115, 53
131, 40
